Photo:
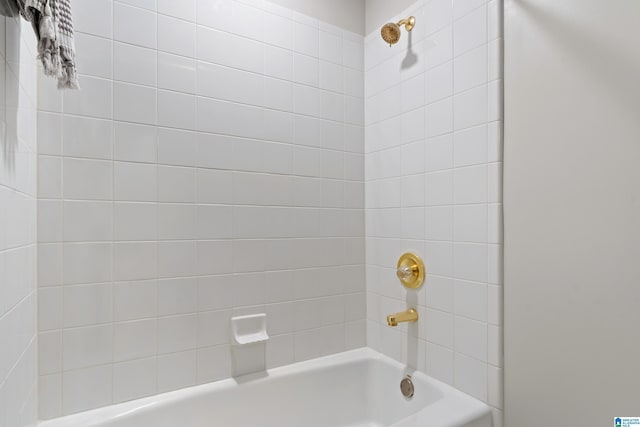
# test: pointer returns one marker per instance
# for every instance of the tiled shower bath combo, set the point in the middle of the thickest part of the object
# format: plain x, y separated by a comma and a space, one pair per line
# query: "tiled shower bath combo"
210, 227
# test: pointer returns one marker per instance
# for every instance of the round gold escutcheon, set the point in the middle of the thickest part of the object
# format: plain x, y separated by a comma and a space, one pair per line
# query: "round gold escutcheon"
411, 270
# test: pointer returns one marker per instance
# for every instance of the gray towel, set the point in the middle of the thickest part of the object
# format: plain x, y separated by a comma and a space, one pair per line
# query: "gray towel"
52, 23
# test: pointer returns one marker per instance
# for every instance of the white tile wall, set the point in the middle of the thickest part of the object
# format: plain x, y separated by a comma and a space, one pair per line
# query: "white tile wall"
188, 183
18, 225
211, 166
433, 162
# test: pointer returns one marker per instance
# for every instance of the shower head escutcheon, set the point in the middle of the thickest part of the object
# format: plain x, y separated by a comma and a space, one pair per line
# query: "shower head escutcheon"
390, 32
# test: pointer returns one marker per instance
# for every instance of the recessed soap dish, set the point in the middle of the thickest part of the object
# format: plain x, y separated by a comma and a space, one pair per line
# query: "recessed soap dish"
249, 329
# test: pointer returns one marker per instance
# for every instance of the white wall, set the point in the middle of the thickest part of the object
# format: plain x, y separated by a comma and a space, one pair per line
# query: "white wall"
211, 171
433, 185
18, 355
572, 212
344, 14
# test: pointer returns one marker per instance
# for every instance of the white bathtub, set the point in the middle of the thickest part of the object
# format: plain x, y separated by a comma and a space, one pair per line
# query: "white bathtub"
353, 389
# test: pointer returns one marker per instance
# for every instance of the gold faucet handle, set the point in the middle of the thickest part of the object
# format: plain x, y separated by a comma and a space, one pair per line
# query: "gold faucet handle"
405, 272
410, 270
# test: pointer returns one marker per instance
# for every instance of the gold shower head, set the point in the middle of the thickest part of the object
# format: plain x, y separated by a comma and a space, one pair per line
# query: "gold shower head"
390, 32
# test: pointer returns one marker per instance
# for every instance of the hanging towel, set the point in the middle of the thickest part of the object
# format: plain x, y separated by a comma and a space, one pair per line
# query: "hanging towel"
52, 23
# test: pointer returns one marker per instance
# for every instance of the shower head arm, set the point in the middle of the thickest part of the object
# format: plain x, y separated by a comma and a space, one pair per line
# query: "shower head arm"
408, 23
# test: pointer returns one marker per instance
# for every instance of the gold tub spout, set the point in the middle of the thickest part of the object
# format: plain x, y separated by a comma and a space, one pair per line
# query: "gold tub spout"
410, 315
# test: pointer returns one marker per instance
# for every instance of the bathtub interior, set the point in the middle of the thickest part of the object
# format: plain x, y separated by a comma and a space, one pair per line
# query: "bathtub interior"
362, 392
